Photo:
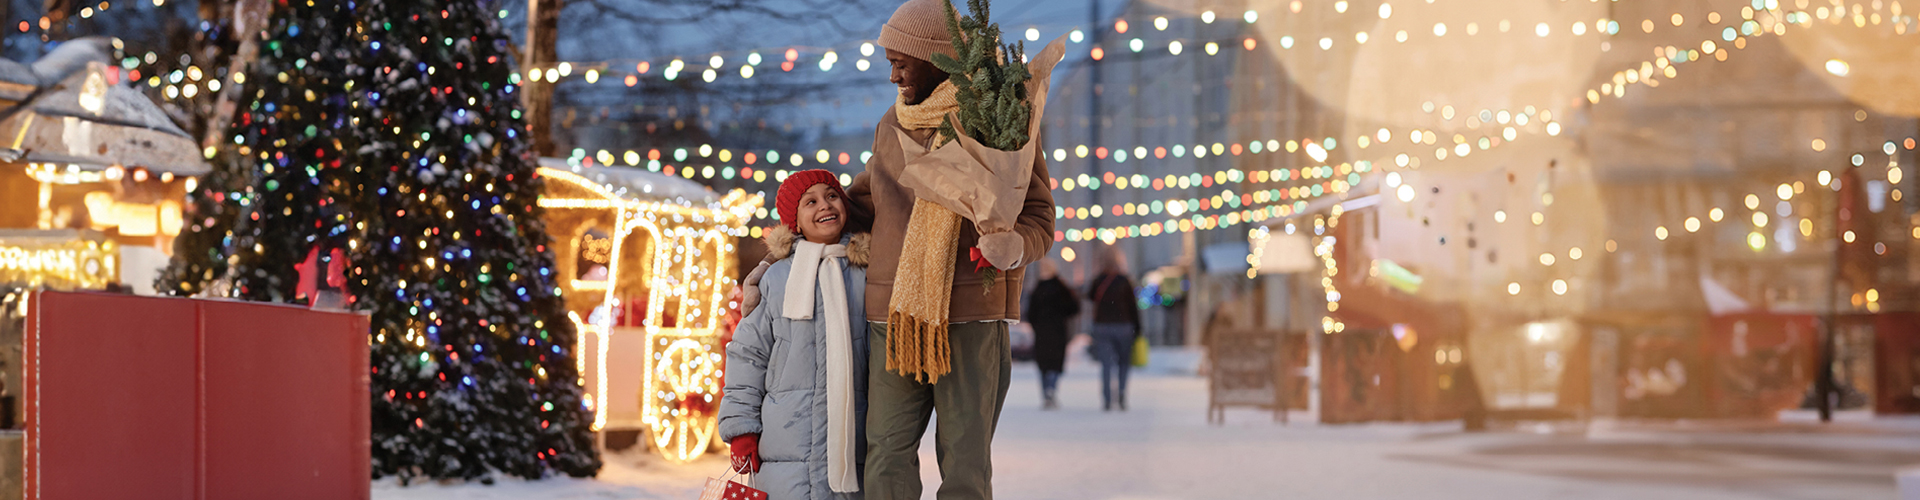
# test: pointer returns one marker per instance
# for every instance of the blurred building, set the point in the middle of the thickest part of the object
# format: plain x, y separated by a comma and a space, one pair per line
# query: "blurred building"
1670, 250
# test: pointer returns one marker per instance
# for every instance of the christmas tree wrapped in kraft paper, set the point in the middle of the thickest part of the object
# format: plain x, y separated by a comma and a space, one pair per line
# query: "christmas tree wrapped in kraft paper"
979, 169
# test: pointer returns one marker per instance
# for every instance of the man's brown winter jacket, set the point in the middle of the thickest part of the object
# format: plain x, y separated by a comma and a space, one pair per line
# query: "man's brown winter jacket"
879, 197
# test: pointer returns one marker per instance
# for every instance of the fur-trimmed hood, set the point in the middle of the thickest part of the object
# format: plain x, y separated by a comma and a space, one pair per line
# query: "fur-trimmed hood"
780, 242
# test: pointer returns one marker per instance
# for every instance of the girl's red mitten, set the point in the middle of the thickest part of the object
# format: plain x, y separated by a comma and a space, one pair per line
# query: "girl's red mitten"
746, 453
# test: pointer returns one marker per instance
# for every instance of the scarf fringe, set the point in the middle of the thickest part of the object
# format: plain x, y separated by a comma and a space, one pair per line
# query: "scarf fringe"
922, 294
917, 347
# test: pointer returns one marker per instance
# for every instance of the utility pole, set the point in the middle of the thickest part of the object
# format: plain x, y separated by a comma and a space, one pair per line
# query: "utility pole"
1844, 201
1823, 376
1092, 115
543, 25
1095, 32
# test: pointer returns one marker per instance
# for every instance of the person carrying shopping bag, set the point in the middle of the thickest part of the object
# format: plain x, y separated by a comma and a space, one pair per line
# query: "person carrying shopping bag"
1116, 326
795, 401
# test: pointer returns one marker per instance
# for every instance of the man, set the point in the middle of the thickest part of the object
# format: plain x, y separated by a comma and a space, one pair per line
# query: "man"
970, 388
968, 397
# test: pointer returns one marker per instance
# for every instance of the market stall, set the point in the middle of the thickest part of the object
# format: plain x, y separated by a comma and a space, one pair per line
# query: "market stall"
646, 262
79, 149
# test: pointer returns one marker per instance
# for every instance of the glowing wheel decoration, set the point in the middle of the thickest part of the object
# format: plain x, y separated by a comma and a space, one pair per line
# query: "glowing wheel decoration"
686, 402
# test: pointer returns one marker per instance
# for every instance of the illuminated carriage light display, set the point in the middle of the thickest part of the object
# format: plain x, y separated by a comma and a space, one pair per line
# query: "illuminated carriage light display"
648, 261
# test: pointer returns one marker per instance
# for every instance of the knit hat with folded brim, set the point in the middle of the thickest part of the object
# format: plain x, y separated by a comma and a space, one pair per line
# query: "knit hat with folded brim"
786, 201
919, 29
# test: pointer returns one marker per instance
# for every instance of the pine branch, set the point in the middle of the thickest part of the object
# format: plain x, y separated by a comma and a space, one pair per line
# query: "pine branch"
989, 79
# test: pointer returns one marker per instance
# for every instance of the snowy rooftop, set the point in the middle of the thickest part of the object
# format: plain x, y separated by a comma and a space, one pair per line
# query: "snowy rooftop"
18, 75
636, 183
106, 124
124, 106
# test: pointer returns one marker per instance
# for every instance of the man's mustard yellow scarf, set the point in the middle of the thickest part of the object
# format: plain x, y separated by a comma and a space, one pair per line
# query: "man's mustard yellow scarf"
923, 285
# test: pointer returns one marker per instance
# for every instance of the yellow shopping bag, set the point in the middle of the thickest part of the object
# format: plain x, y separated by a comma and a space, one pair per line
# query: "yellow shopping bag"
1140, 351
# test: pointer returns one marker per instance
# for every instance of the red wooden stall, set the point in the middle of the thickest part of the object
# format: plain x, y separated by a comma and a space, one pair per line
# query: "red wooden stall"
167, 398
1896, 364
1759, 363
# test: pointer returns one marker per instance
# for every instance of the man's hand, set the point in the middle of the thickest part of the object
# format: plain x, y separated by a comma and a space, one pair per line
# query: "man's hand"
1003, 249
750, 289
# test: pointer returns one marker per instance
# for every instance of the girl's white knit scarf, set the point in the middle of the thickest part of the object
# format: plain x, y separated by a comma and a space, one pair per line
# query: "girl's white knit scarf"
817, 263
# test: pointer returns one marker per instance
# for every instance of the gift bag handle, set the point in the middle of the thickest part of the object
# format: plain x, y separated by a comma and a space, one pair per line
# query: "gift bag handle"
733, 472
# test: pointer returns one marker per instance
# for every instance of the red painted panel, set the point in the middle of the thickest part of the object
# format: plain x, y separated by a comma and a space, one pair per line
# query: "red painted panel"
111, 397
1896, 362
286, 402
139, 397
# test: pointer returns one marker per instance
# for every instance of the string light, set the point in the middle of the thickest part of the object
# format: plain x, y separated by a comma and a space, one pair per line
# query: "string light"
1335, 179
1257, 213
1136, 44
1756, 240
1331, 181
1330, 268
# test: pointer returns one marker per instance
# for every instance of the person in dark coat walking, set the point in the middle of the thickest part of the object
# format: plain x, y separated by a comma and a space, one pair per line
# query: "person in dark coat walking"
1116, 326
1050, 308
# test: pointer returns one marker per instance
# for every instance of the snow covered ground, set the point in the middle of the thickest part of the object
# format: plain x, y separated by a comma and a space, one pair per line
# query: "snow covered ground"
1164, 449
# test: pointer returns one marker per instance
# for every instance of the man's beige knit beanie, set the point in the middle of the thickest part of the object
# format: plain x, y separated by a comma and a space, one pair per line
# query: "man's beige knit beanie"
919, 29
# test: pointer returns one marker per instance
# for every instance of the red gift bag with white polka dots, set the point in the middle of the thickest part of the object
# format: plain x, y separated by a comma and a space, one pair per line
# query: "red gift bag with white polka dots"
725, 488
737, 491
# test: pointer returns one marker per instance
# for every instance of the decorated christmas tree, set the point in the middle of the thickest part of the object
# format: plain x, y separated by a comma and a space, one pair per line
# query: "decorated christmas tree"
473, 361
390, 131
290, 140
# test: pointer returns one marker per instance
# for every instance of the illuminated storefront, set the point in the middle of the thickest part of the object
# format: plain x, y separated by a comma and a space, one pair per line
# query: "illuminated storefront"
81, 151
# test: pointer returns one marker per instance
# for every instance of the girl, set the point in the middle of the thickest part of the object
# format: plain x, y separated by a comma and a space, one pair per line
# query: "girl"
795, 404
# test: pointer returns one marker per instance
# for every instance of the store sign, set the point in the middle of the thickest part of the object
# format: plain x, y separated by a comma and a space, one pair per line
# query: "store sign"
74, 263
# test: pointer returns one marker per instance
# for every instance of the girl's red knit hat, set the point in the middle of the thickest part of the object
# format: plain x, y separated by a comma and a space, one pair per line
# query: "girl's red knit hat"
787, 201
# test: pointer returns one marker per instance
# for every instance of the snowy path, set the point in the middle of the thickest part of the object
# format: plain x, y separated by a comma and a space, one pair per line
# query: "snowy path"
1163, 449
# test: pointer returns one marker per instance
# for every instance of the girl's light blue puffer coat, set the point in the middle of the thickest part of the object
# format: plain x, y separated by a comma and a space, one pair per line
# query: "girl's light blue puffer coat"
776, 378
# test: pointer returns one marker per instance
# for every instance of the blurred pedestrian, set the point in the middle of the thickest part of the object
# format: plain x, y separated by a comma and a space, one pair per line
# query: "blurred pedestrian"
1116, 325
1050, 308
